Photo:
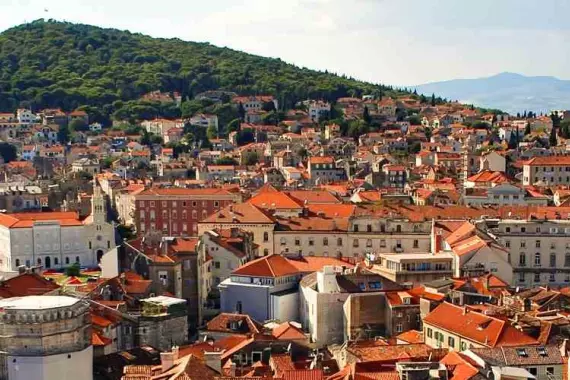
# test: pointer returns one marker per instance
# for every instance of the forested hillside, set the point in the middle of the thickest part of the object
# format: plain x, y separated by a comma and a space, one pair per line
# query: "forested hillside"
105, 71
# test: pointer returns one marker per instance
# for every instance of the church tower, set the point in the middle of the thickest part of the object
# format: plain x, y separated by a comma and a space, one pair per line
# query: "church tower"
98, 205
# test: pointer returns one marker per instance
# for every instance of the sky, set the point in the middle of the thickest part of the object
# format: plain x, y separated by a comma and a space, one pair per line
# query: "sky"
400, 42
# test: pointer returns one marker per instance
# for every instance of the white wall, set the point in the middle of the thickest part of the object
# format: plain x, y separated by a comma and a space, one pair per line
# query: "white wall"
73, 366
286, 307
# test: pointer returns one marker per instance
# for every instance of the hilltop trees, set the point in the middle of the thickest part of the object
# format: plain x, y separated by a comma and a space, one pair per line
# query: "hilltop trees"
63, 65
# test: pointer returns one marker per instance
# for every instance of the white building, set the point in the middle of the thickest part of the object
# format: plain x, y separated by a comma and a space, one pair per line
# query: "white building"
55, 239
26, 116
318, 109
45, 337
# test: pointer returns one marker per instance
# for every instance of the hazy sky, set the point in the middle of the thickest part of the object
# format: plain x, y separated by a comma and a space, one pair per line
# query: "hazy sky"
390, 41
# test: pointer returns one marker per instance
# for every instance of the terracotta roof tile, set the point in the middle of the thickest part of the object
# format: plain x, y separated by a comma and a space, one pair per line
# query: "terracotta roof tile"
268, 266
480, 328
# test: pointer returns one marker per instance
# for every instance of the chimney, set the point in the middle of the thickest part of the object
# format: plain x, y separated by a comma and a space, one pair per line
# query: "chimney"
167, 359
213, 360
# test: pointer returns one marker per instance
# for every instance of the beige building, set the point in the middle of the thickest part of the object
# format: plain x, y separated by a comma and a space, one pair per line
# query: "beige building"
243, 216
459, 328
547, 171
539, 249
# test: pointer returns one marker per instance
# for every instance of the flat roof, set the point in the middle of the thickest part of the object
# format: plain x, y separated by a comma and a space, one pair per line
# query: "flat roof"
397, 257
164, 300
37, 302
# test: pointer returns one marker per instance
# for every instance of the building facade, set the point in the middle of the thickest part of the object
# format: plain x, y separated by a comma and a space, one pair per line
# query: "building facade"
45, 337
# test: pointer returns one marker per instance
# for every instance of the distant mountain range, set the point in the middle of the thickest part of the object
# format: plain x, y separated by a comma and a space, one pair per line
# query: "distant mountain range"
509, 92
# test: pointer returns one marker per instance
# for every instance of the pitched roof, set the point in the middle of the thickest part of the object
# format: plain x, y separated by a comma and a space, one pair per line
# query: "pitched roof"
411, 337
268, 266
26, 284
460, 366
269, 198
483, 329
24, 220
309, 264
234, 323
286, 331
239, 213
377, 351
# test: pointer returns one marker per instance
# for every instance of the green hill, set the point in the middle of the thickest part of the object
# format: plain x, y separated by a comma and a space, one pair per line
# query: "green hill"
105, 71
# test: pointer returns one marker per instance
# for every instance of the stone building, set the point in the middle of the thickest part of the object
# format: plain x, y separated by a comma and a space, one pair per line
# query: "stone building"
163, 322
45, 337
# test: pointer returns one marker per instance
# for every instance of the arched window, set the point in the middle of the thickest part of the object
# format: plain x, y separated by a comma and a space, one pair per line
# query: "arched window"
77, 259
48, 262
537, 259
67, 260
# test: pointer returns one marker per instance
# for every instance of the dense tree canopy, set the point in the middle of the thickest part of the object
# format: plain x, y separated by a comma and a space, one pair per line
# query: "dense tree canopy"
105, 71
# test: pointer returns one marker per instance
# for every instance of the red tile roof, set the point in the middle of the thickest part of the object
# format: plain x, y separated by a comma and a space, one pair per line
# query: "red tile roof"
286, 331
549, 161
460, 366
411, 337
482, 329
239, 213
26, 284
268, 266
24, 220
309, 264
234, 323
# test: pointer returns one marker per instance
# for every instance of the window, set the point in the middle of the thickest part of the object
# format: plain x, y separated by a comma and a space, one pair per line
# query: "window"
537, 259
90, 245
55, 261
398, 228
339, 242
216, 204
266, 236
508, 229
355, 243
217, 264
297, 241
429, 332
523, 244
325, 241
567, 259
552, 277
382, 243
39, 261
416, 243
369, 243
463, 346
523, 229
283, 241
533, 371
522, 259
451, 341
537, 277
17, 263
369, 228
356, 228
238, 307
77, 259
508, 243
265, 252
537, 244
67, 260
399, 328
550, 371
553, 260
311, 241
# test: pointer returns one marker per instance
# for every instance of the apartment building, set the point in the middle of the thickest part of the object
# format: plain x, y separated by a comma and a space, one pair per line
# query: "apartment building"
177, 211
539, 249
458, 328
547, 171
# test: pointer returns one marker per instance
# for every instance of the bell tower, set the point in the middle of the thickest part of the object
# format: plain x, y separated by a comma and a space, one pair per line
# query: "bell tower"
98, 205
